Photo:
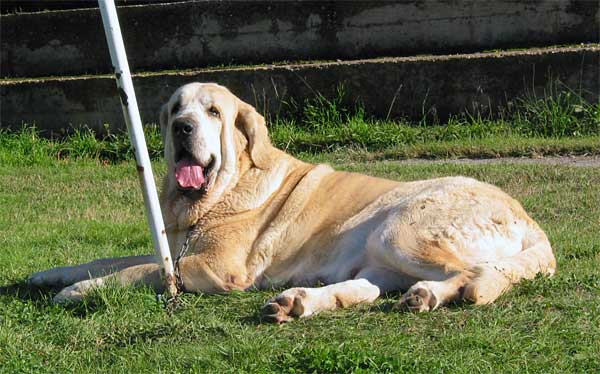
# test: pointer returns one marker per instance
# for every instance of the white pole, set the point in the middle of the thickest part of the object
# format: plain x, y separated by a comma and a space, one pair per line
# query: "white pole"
136, 134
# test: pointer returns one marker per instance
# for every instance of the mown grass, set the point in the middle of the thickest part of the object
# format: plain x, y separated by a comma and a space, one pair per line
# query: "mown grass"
68, 201
71, 211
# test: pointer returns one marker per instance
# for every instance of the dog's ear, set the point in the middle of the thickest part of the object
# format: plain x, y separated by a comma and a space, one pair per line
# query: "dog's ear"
163, 118
254, 128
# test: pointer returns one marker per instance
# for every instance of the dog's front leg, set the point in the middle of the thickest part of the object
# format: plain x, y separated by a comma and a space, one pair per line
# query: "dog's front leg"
67, 275
145, 274
196, 275
303, 302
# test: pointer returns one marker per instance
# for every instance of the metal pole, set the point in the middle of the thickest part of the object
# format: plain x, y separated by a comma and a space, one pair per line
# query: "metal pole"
136, 134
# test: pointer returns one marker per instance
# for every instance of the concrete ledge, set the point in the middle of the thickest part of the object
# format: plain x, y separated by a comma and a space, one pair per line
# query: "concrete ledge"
394, 87
195, 34
30, 6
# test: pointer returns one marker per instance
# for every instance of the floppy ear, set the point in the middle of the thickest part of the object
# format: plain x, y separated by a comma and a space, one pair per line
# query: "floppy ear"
253, 126
163, 118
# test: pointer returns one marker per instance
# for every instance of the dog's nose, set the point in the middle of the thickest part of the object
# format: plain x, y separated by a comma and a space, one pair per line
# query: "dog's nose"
182, 128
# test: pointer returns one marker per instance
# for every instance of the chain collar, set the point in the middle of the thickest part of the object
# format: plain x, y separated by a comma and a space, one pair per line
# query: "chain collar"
191, 234
172, 302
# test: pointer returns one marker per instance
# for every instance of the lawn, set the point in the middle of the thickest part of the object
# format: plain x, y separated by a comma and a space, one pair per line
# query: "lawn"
62, 212
72, 200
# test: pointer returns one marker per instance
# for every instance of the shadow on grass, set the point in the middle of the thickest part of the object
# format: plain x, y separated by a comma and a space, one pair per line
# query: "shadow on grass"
254, 319
23, 291
388, 306
41, 298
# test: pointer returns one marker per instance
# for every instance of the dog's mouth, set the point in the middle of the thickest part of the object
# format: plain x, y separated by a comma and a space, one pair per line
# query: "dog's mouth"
190, 174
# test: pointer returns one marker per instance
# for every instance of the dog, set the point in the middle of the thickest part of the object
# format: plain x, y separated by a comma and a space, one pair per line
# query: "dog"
261, 218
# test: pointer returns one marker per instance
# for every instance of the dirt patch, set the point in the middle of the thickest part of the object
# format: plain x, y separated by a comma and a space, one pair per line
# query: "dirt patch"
576, 161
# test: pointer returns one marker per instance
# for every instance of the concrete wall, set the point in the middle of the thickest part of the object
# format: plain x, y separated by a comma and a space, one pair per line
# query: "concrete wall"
21, 6
447, 84
203, 33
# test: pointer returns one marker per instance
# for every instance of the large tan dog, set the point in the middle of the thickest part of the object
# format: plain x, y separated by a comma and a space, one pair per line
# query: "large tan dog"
267, 219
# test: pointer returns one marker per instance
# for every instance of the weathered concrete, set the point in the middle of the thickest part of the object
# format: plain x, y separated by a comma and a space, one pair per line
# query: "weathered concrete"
387, 87
28, 6
204, 33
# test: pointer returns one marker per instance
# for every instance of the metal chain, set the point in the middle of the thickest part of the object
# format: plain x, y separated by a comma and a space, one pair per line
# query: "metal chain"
192, 232
173, 302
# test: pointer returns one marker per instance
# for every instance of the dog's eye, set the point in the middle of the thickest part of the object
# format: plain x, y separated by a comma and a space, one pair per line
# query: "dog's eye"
214, 111
175, 107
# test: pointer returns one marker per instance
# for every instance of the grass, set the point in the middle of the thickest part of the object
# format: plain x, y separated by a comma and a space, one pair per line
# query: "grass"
322, 124
27, 147
72, 200
70, 211
558, 122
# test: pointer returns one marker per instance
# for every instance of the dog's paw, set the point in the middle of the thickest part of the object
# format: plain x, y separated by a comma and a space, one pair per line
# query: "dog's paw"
76, 292
418, 299
68, 295
285, 307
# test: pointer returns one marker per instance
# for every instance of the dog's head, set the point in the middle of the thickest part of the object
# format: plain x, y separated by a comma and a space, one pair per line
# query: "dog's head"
205, 128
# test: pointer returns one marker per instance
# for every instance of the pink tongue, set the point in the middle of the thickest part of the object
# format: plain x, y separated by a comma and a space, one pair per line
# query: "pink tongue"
189, 174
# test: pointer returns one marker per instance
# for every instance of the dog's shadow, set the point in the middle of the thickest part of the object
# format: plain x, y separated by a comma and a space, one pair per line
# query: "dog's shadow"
254, 319
41, 298
23, 291
390, 301
387, 305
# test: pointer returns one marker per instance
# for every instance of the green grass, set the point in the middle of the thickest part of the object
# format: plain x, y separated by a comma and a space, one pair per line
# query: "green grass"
70, 211
558, 122
27, 147
322, 124
72, 200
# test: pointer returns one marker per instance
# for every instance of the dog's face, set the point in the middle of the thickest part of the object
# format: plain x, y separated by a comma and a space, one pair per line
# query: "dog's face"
204, 128
192, 121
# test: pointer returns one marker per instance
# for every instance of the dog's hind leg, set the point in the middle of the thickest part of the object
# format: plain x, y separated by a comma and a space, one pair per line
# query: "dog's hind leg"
67, 275
484, 282
431, 270
426, 296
